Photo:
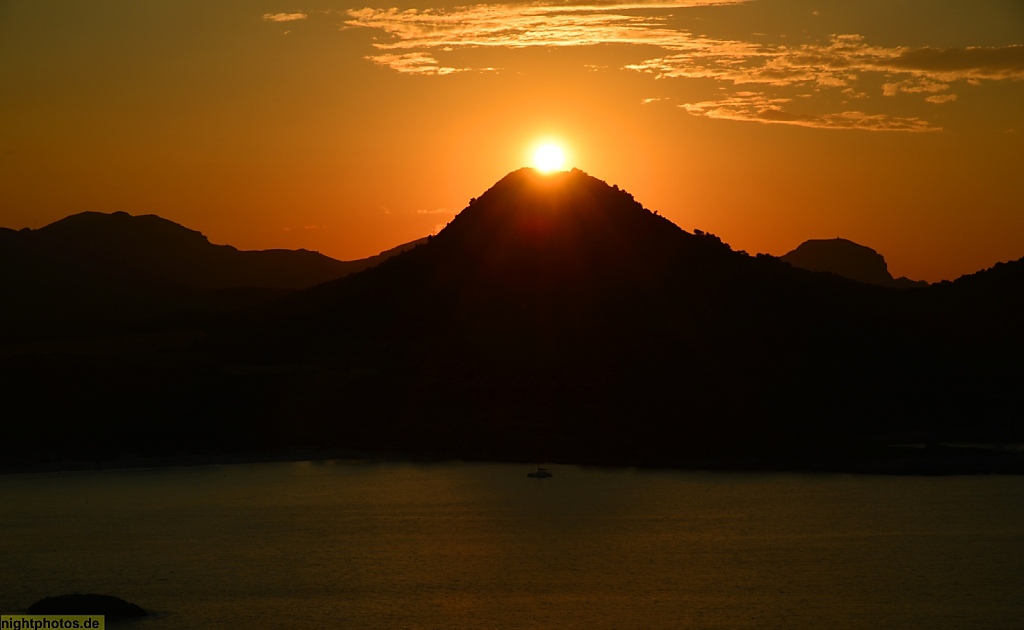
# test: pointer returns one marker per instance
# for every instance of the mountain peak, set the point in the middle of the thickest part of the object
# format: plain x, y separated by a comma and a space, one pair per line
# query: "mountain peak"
560, 247
565, 215
845, 258
146, 230
148, 248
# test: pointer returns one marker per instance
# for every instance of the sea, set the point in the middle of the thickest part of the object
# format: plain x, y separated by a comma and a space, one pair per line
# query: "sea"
360, 544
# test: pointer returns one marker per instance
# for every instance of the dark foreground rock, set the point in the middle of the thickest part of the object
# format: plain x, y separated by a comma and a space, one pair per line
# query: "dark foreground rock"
90, 604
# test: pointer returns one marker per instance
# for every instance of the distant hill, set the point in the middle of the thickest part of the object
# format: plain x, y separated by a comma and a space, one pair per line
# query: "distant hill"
118, 266
848, 259
154, 247
557, 319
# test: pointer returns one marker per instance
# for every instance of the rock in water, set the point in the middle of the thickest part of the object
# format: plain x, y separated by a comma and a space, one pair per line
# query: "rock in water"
107, 605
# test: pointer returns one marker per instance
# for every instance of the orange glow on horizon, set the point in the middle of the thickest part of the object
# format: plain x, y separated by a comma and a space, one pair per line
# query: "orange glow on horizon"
257, 151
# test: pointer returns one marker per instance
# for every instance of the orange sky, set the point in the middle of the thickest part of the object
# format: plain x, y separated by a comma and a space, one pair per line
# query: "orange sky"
349, 128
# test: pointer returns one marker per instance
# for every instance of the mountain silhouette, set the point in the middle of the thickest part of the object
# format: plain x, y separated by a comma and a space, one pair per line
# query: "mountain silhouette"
154, 247
556, 311
557, 319
117, 266
563, 256
848, 259
558, 301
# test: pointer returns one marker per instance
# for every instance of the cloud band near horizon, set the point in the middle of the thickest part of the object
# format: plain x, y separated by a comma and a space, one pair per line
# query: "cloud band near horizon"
762, 79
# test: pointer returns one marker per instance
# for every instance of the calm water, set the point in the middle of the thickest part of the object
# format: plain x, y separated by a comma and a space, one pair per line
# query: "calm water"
337, 544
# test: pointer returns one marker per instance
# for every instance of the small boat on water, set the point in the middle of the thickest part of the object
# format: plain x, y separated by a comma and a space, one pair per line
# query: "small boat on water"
540, 473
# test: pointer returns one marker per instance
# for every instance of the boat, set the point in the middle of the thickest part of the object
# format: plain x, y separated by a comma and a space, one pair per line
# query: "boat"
540, 473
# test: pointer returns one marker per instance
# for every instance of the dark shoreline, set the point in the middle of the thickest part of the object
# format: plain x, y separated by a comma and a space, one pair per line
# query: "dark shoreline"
901, 460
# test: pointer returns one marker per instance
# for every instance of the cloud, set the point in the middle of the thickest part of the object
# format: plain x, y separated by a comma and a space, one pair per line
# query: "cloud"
959, 64
913, 86
755, 107
411, 41
523, 25
939, 99
837, 63
413, 63
844, 62
840, 62
284, 17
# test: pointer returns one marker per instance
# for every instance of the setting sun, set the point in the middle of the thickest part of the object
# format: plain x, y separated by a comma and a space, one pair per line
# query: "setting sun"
548, 157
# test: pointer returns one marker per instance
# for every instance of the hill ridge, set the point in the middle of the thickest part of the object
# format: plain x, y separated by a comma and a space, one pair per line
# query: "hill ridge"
846, 258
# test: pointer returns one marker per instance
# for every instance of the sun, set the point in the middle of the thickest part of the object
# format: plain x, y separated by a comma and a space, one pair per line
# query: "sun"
548, 157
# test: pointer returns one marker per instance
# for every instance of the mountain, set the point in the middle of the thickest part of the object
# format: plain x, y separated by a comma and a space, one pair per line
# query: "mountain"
153, 247
556, 318
117, 266
568, 263
555, 314
848, 259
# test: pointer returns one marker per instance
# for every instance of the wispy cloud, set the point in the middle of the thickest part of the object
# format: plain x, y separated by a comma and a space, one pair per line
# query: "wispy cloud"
755, 107
913, 86
284, 17
524, 25
846, 61
413, 63
960, 64
838, 63
412, 42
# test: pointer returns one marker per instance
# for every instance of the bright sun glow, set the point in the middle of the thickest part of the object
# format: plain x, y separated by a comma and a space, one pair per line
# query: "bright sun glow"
548, 157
